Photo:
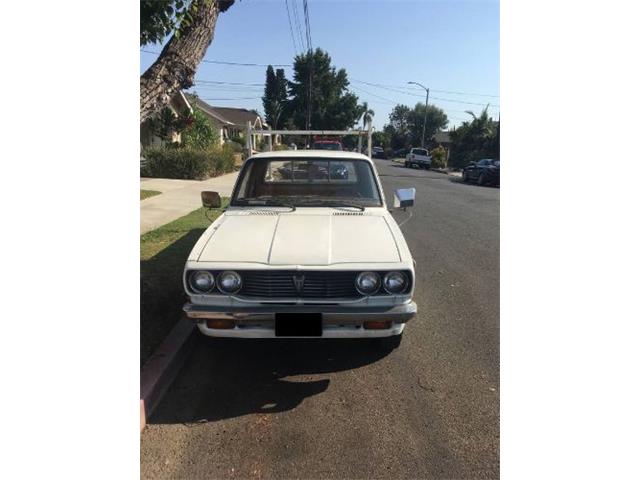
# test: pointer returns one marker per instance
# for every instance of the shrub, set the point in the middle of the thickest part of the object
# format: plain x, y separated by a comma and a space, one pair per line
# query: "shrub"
223, 160
438, 157
235, 146
200, 132
187, 162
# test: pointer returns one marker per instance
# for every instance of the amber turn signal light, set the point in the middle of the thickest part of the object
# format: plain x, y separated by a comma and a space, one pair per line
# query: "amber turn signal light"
221, 323
377, 325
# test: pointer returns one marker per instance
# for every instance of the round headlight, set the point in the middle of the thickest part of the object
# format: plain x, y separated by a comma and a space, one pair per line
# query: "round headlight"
368, 283
229, 282
201, 281
395, 282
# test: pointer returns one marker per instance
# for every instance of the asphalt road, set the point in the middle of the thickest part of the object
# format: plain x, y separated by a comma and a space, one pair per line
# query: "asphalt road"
342, 409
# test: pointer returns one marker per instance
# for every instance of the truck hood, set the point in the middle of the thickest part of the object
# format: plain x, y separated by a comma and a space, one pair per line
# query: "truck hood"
301, 239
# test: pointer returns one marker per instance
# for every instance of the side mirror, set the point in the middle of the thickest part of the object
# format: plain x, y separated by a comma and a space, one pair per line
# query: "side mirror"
404, 197
211, 199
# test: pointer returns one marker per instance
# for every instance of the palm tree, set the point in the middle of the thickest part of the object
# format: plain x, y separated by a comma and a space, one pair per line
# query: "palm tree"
482, 124
366, 114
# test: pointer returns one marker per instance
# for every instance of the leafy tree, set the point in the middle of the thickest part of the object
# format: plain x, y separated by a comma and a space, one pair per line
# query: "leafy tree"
405, 124
317, 83
158, 18
381, 139
475, 139
275, 97
193, 23
436, 121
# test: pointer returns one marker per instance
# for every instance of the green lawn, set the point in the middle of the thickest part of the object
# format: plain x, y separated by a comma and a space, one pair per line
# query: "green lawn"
148, 193
163, 253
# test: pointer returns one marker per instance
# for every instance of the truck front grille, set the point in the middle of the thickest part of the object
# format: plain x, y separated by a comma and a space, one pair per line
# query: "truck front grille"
311, 284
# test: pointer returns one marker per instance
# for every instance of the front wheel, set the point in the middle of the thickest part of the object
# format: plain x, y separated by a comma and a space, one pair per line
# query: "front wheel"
406, 164
481, 179
464, 176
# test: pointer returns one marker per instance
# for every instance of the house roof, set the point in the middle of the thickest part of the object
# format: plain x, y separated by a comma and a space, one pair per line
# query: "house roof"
238, 116
226, 115
442, 137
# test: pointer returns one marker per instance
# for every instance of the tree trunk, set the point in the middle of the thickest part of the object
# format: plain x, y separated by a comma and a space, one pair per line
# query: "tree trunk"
175, 68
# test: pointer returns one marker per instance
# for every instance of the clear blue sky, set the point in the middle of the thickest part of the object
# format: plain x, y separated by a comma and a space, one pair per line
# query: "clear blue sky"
449, 46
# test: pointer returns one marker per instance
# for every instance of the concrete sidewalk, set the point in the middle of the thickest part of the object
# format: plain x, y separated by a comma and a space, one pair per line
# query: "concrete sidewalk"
178, 198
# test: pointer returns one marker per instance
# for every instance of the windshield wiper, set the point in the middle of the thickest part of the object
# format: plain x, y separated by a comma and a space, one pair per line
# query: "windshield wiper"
276, 204
341, 205
267, 203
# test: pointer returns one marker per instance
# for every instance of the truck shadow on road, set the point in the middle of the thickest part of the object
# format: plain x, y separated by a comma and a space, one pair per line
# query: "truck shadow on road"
228, 378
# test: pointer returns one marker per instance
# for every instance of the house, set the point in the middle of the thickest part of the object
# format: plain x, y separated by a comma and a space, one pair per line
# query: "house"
178, 106
442, 138
230, 122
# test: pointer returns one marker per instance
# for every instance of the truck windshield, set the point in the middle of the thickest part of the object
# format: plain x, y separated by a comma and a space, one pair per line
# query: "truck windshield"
307, 182
327, 146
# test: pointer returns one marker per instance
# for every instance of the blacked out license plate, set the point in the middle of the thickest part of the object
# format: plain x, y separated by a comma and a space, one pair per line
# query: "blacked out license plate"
298, 324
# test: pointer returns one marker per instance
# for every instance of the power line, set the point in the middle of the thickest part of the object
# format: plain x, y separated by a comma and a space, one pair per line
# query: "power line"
307, 25
469, 94
392, 102
234, 98
297, 22
216, 82
241, 90
293, 37
415, 89
385, 87
238, 64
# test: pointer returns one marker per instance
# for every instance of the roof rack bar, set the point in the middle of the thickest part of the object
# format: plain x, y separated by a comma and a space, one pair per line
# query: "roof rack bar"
310, 132
360, 133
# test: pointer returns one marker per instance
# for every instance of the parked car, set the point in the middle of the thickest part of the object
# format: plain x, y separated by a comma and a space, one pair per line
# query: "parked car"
298, 257
327, 145
418, 157
378, 152
483, 172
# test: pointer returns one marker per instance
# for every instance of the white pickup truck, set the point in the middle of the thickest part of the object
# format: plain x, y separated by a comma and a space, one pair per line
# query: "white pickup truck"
418, 157
306, 248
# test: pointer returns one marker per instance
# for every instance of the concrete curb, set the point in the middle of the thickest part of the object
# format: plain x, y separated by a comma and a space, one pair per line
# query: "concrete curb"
161, 369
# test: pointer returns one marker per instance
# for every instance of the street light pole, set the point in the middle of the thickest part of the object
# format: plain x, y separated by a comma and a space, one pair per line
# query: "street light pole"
424, 125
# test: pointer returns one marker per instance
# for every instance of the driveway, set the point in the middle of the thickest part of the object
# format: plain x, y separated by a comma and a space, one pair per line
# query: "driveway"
342, 408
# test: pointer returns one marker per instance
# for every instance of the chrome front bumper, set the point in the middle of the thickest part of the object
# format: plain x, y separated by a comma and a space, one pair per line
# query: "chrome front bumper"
337, 321
330, 313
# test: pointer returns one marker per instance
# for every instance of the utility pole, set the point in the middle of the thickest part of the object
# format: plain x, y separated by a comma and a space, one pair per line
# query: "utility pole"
426, 105
310, 66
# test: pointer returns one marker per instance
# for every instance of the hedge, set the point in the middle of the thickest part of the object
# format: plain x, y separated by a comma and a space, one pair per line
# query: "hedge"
187, 163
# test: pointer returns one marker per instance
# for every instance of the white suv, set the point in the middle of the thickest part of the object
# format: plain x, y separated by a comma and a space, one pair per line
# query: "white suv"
418, 157
306, 248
